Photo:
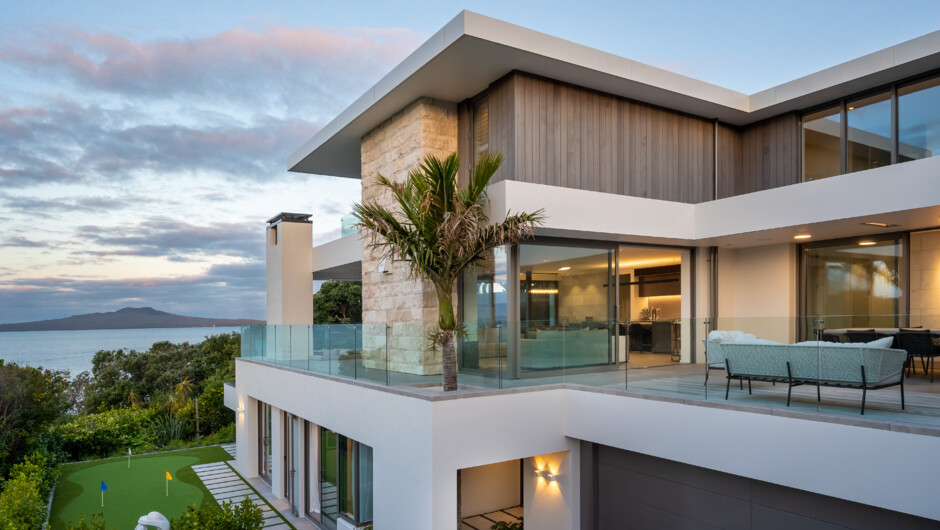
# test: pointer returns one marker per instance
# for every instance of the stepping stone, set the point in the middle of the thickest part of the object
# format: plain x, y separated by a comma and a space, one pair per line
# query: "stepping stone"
282, 526
226, 489
230, 494
219, 480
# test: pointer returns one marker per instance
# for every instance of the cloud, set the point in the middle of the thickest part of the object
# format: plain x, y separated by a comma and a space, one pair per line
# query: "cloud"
173, 239
98, 142
285, 67
223, 291
22, 242
32, 205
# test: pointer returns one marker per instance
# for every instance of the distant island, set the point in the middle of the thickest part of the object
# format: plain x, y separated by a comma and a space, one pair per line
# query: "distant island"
127, 318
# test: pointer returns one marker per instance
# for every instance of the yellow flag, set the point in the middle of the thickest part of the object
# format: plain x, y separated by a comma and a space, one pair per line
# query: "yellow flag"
168, 477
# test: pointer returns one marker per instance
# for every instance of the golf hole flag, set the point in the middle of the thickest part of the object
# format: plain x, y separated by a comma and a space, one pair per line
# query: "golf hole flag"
104, 488
168, 479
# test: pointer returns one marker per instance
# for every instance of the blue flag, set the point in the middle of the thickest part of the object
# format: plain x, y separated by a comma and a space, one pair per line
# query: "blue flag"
104, 487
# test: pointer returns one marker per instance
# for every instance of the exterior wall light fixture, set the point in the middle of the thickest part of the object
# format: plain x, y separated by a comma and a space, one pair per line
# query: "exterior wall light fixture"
546, 474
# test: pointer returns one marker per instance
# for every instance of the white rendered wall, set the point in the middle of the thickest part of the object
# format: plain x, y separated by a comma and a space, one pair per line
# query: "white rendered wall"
289, 265
419, 445
757, 290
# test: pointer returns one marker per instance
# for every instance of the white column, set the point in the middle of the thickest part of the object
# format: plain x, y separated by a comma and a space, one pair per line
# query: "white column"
289, 253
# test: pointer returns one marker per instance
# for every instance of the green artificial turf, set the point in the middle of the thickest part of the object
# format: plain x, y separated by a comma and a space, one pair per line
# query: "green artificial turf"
132, 492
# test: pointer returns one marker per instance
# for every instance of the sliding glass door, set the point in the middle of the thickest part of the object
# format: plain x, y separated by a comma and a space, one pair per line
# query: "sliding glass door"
854, 283
264, 442
345, 479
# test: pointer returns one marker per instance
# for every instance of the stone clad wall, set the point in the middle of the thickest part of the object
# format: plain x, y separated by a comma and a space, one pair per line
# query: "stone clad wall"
424, 127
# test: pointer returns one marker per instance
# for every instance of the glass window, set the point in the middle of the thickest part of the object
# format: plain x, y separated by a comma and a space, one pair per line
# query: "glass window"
481, 127
565, 306
347, 467
484, 306
264, 463
821, 144
919, 120
869, 132
854, 284
365, 483
329, 477
345, 479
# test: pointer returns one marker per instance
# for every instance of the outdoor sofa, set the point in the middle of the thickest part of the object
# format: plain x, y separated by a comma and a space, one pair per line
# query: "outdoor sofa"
864, 366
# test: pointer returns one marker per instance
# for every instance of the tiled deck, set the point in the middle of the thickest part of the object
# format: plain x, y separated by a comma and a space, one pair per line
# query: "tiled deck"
487, 520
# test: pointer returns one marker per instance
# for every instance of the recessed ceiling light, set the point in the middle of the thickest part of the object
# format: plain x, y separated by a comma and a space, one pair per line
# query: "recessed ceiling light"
866, 243
564, 268
851, 108
802, 236
879, 225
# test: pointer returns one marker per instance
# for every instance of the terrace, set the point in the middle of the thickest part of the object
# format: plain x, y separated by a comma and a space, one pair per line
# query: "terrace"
386, 356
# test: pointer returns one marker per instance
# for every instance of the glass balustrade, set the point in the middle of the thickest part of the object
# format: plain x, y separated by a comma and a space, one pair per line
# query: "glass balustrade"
814, 364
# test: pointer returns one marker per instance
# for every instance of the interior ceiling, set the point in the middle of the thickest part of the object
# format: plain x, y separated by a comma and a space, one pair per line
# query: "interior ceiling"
543, 259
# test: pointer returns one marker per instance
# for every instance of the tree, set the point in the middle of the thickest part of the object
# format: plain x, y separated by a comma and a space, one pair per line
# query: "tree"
31, 400
441, 229
338, 303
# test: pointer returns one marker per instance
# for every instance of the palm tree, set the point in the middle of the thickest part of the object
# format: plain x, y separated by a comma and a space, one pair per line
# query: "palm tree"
440, 230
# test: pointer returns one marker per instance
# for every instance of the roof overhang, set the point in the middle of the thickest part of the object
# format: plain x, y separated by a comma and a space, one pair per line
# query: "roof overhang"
472, 51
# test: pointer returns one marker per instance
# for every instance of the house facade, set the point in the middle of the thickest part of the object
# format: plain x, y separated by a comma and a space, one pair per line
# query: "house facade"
673, 208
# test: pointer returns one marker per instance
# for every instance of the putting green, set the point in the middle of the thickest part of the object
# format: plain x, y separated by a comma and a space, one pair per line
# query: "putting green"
132, 492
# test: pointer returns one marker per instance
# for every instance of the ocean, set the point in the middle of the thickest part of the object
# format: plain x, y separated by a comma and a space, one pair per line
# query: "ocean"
74, 350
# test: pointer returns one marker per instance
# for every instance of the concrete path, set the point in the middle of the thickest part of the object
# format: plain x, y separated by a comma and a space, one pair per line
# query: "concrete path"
226, 485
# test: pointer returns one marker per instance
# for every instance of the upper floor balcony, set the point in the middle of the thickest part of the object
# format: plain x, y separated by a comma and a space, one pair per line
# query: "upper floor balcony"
824, 368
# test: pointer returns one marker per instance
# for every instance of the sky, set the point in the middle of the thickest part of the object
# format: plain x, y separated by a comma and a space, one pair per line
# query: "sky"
144, 144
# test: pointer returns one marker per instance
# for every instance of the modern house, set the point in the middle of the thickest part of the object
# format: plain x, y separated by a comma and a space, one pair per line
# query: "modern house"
673, 207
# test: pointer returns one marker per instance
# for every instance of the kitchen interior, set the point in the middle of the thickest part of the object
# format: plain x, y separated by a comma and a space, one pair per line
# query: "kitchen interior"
650, 300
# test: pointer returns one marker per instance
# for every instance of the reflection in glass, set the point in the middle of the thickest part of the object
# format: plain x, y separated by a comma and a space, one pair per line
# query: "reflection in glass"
329, 477
484, 306
365, 483
869, 132
821, 148
919, 120
854, 285
565, 306
264, 418
347, 468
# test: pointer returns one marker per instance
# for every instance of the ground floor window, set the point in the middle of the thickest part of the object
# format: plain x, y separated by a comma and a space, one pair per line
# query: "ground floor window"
264, 442
345, 479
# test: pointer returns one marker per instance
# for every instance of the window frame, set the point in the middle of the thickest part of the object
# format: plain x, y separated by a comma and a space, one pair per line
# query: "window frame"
842, 105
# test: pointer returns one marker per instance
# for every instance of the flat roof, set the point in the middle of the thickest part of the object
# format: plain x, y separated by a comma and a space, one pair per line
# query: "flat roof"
471, 51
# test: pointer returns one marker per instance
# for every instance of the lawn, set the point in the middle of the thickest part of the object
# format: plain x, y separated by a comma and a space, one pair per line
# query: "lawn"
132, 492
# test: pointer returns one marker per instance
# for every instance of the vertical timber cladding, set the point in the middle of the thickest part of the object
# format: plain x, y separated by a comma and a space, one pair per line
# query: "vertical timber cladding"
760, 156
562, 135
400, 143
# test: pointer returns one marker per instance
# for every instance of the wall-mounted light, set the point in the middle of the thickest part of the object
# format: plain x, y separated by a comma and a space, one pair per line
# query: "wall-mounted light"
546, 474
240, 411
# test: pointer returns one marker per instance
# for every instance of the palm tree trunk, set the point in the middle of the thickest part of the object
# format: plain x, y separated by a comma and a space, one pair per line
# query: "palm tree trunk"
449, 360
447, 323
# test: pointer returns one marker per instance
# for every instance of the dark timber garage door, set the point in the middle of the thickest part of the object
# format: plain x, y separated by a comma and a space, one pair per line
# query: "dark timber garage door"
626, 490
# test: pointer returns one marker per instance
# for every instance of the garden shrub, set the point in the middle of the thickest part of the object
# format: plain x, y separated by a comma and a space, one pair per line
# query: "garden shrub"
242, 516
24, 495
105, 433
97, 523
